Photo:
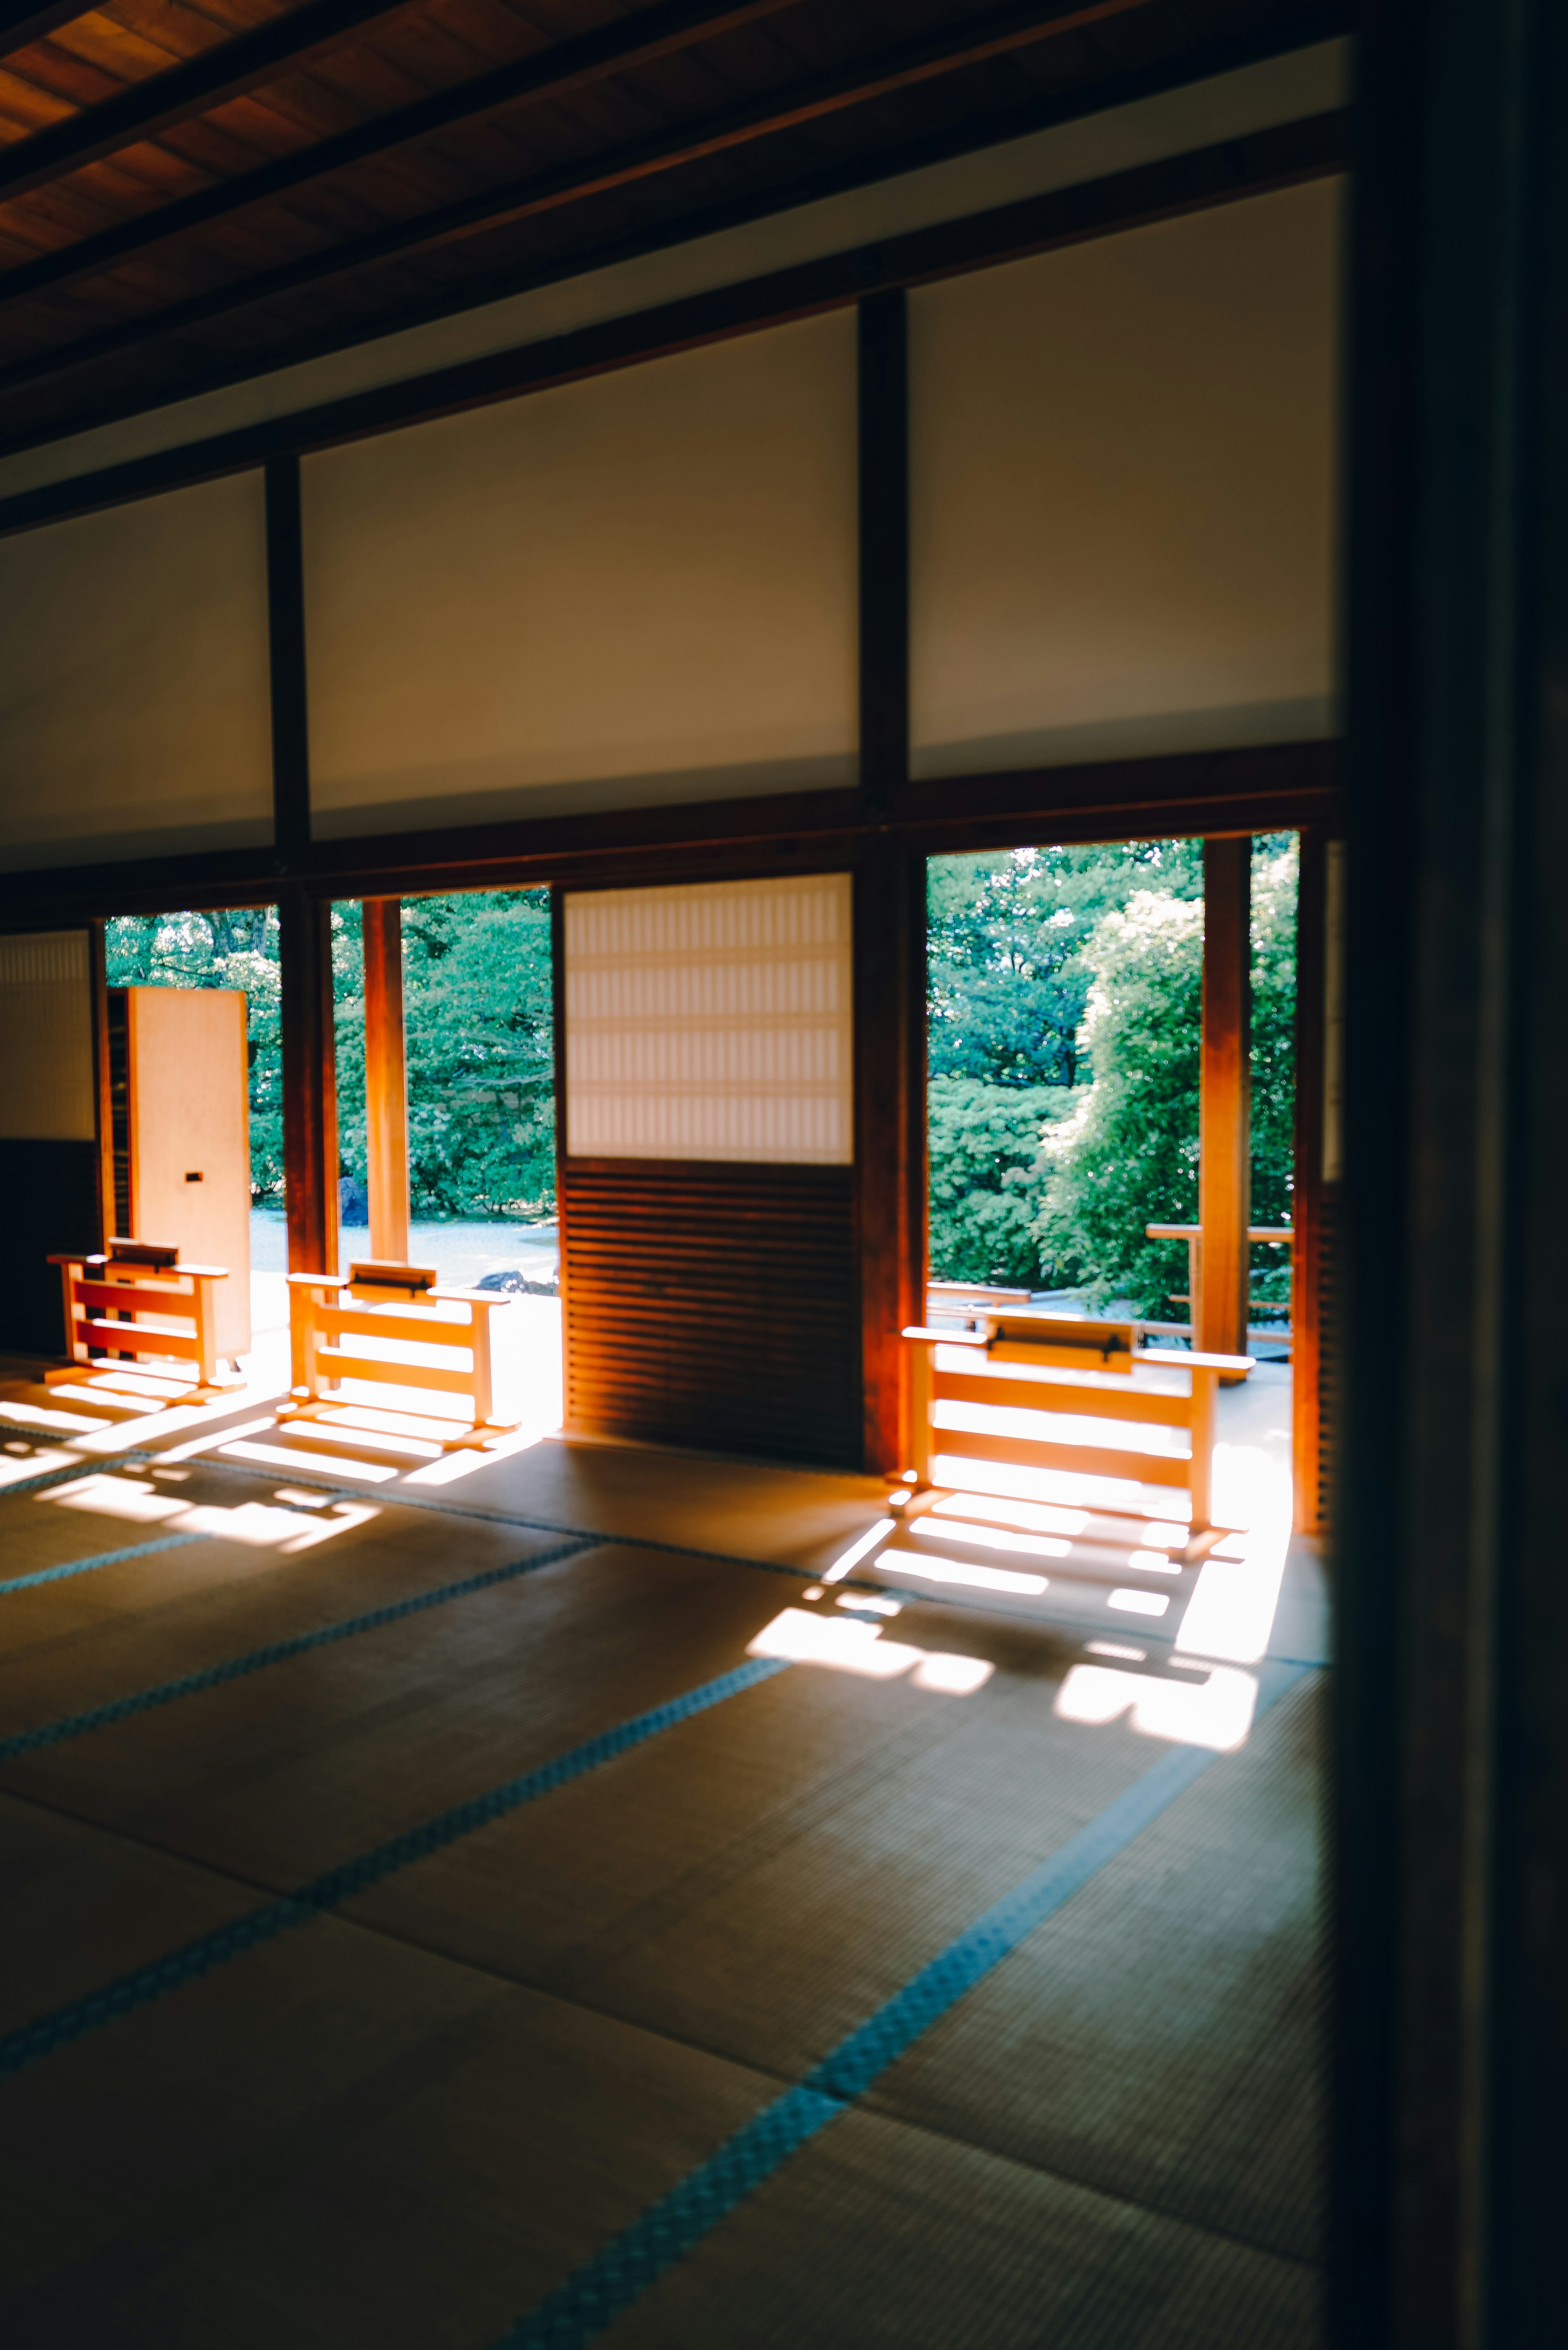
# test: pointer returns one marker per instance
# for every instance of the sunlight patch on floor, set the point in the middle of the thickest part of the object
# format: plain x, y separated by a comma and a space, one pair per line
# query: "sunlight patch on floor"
850, 1645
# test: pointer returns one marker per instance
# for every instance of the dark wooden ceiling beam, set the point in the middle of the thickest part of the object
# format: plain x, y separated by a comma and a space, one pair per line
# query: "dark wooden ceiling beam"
1280, 157
228, 70
520, 200
21, 25
550, 74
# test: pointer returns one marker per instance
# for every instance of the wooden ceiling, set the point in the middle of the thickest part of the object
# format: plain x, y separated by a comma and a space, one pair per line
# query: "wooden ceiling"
190, 193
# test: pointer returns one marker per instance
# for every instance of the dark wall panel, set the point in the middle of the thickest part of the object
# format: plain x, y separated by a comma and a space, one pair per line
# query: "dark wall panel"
714, 1304
49, 1203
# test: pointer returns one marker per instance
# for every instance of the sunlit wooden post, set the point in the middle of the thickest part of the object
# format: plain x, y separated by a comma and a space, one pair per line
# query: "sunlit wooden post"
385, 1082
1225, 1128
309, 1081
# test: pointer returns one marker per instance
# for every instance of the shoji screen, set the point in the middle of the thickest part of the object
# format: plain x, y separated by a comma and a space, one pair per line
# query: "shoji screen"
635, 590
48, 1129
710, 1022
707, 1185
134, 716
1123, 486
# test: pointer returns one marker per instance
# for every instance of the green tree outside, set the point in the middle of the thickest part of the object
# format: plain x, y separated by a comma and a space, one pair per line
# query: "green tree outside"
479, 1016
1065, 1001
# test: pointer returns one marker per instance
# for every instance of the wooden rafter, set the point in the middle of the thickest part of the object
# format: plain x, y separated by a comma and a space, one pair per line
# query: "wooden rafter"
201, 84
227, 70
21, 25
514, 201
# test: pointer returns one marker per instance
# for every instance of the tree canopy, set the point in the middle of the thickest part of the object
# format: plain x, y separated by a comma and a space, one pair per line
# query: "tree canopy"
1065, 1000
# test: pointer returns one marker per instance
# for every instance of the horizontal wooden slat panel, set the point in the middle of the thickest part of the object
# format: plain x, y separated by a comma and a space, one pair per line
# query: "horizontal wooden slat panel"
336, 1362
137, 1338
1080, 1459
714, 1304
422, 1329
1147, 1405
142, 1297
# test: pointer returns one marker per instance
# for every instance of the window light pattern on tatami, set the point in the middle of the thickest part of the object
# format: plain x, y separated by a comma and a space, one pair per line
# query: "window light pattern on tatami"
711, 1022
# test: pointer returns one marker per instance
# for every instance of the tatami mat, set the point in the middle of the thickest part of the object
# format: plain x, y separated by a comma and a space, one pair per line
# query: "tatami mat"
394, 2152
1159, 2040
408, 2120
879, 2237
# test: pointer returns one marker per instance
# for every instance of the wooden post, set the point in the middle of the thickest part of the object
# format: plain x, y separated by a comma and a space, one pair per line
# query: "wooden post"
921, 1446
1306, 1248
1200, 1481
1225, 1129
484, 1374
890, 902
385, 1082
309, 1082
886, 917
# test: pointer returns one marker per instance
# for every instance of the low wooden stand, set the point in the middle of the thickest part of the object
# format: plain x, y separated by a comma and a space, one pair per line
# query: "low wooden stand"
144, 1280
400, 1304
1049, 1342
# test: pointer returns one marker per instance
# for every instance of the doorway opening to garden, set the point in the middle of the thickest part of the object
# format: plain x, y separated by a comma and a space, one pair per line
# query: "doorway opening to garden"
446, 1117
194, 1148
1102, 1414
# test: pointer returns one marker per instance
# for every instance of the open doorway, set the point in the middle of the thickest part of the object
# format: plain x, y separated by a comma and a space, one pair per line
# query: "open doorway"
195, 1112
446, 1121
1112, 1046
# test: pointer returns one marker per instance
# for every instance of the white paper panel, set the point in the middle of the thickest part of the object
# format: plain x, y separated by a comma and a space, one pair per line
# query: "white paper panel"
47, 1091
631, 591
134, 710
713, 1022
1123, 493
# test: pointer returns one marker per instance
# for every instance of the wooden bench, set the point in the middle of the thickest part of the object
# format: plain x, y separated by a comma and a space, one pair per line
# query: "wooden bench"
1007, 1344
139, 1278
399, 1305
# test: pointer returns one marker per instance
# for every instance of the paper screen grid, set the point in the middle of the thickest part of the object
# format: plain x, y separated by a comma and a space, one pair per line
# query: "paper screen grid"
710, 1022
46, 1089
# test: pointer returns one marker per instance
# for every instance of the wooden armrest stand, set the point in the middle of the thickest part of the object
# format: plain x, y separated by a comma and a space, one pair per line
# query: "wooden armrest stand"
1048, 1342
392, 1303
98, 1287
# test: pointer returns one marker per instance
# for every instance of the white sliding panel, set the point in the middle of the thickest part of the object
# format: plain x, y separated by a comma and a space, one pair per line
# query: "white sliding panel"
134, 699
635, 590
711, 1022
1123, 481
46, 1038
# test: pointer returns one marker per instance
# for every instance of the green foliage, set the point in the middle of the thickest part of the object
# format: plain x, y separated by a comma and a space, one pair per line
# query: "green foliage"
478, 1007
1127, 1156
984, 1149
236, 948
1066, 990
478, 1011
1008, 982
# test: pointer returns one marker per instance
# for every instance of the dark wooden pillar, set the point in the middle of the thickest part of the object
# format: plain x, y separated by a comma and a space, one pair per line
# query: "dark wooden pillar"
889, 906
285, 637
889, 1142
103, 1090
386, 1080
1306, 1247
1451, 1684
1225, 1131
309, 1082
884, 526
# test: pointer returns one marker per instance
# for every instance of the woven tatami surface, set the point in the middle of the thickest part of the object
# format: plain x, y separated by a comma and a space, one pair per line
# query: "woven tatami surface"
407, 2119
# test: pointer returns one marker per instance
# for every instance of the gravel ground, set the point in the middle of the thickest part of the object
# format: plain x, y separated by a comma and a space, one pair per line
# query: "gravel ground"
461, 1251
